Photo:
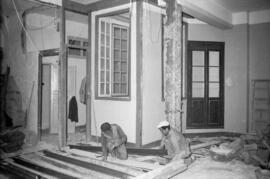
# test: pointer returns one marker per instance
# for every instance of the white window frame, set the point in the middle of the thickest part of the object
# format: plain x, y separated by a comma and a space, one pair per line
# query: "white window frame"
109, 94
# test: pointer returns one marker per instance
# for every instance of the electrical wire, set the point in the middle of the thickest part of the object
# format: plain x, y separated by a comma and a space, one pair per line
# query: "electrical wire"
27, 34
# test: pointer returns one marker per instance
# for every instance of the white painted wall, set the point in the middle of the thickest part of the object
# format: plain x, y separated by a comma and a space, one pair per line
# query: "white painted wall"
121, 112
153, 107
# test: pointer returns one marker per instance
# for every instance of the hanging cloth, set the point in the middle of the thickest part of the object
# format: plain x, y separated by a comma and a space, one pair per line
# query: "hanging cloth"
82, 91
73, 110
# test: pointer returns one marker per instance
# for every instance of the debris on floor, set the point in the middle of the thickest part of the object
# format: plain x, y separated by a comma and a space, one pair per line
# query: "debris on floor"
245, 156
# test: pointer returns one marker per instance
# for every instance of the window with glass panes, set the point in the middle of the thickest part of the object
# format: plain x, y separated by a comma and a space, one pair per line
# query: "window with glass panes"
113, 60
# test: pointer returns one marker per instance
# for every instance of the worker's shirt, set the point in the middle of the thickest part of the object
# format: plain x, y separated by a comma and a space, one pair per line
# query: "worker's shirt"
175, 143
118, 138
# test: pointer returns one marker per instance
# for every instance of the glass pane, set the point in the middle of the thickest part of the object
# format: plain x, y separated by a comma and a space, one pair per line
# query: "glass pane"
124, 34
84, 52
102, 51
198, 58
123, 66
85, 44
108, 28
213, 74
197, 89
102, 64
116, 44
107, 88
213, 89
116, 77
213, 58
102, 39
123, 88
108, 52
108, 64
102, 88
116, 66
74, 51
74, 42
124, 78
102, 26
123, 44
107, 76
117, 32
197, 73
108, 40
116, 55
124, 56
116, 88
102, 76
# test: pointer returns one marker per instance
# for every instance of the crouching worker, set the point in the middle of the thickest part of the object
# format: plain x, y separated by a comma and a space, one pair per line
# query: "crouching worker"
113, 141
174, 142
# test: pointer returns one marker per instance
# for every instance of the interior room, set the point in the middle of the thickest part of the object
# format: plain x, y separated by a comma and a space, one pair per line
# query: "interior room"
69, 68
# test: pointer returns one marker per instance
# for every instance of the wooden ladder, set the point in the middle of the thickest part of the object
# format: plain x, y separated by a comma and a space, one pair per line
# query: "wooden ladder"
260, 104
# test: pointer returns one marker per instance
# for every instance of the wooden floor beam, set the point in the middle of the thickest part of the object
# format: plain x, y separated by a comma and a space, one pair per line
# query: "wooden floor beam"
86, 164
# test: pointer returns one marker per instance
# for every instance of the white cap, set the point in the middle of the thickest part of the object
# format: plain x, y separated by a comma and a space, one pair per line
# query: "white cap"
163, 124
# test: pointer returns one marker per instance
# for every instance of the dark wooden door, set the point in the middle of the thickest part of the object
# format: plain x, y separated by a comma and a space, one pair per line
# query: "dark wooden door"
205, 85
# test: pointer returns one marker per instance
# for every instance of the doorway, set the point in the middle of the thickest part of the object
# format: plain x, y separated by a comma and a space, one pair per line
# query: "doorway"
205, 85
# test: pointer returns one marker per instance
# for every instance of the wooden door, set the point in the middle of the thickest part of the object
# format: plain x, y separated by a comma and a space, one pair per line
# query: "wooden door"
205, 70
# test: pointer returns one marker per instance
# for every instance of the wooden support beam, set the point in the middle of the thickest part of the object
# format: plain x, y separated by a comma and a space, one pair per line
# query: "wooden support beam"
136, 151
89, 80
21, 171
132, 164
62, 106
86, 164
48, 170
89, 157
173, 56
139, 72
166, 171
206, 144
75, 7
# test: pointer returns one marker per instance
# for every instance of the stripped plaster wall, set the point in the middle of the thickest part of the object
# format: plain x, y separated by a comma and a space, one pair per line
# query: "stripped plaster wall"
23, 69
24, 66
153, 106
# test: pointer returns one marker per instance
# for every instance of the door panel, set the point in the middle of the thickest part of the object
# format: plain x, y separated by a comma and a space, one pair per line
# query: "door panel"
205, 84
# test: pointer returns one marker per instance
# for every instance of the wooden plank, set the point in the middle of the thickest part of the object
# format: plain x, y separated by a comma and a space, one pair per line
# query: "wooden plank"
22, 171
86, 164
206, 144
136, 151
50, 170
75, 7
166, 171
86, 173
127, 163
89, 80
93, 159
62, 81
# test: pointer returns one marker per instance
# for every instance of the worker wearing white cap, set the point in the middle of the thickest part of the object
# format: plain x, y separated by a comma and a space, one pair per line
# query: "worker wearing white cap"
174, 142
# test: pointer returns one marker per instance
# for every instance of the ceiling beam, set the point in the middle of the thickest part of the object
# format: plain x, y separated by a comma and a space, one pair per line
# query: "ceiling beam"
208, 12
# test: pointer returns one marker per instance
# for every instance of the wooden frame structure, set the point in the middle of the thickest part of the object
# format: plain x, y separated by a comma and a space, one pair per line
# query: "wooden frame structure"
68, 5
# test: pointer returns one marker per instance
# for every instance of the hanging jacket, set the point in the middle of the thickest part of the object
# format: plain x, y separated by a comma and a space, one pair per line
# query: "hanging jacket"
73, 110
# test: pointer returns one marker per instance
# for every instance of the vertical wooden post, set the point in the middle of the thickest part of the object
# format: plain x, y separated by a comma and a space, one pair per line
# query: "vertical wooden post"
172, 56
139, 107
88, 81
62, 80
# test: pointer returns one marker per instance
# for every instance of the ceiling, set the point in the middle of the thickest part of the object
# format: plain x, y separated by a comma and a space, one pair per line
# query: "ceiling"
243, 5
231, 5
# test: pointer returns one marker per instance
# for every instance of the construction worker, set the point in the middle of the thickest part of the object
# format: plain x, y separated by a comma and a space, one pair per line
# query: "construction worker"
113, 141
174, 142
